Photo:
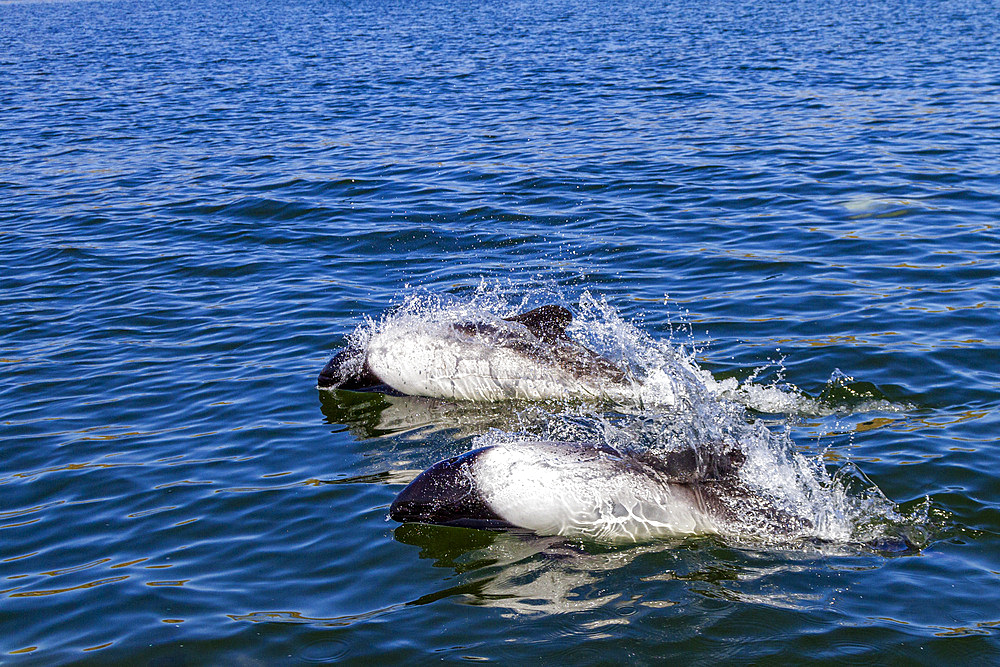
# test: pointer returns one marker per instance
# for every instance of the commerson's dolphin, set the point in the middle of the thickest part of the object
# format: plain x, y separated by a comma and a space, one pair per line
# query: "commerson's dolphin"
528, 356
592, 490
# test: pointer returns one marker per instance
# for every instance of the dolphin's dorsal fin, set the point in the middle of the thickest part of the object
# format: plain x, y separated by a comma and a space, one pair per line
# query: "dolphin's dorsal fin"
690, 466
546, 322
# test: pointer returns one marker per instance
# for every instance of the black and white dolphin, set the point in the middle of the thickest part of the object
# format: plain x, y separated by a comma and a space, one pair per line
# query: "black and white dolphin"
594, 491
528, 356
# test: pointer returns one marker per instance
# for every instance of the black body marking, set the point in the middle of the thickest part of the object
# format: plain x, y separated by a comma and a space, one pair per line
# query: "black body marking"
446, 494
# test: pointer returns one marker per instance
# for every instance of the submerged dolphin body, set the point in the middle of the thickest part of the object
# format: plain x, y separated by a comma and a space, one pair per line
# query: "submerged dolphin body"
528, 356
592, 490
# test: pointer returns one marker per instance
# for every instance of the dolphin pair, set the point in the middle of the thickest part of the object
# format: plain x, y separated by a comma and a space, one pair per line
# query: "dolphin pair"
528, 356
556, 488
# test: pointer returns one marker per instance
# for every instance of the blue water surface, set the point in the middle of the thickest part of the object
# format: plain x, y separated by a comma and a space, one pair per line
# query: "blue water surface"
199, 200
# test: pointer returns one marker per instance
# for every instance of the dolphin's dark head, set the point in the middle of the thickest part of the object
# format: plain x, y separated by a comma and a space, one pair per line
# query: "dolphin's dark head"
446, 494
349, 370
334, 371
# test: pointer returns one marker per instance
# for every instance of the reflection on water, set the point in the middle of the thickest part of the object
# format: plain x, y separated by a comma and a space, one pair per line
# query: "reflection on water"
525, 574
371, 415
519, 572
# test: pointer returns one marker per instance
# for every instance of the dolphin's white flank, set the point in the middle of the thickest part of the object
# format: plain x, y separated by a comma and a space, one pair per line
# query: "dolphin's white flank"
561, 489
507, 362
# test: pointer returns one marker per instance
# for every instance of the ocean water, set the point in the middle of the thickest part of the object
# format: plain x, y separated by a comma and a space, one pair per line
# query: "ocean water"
201, 201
